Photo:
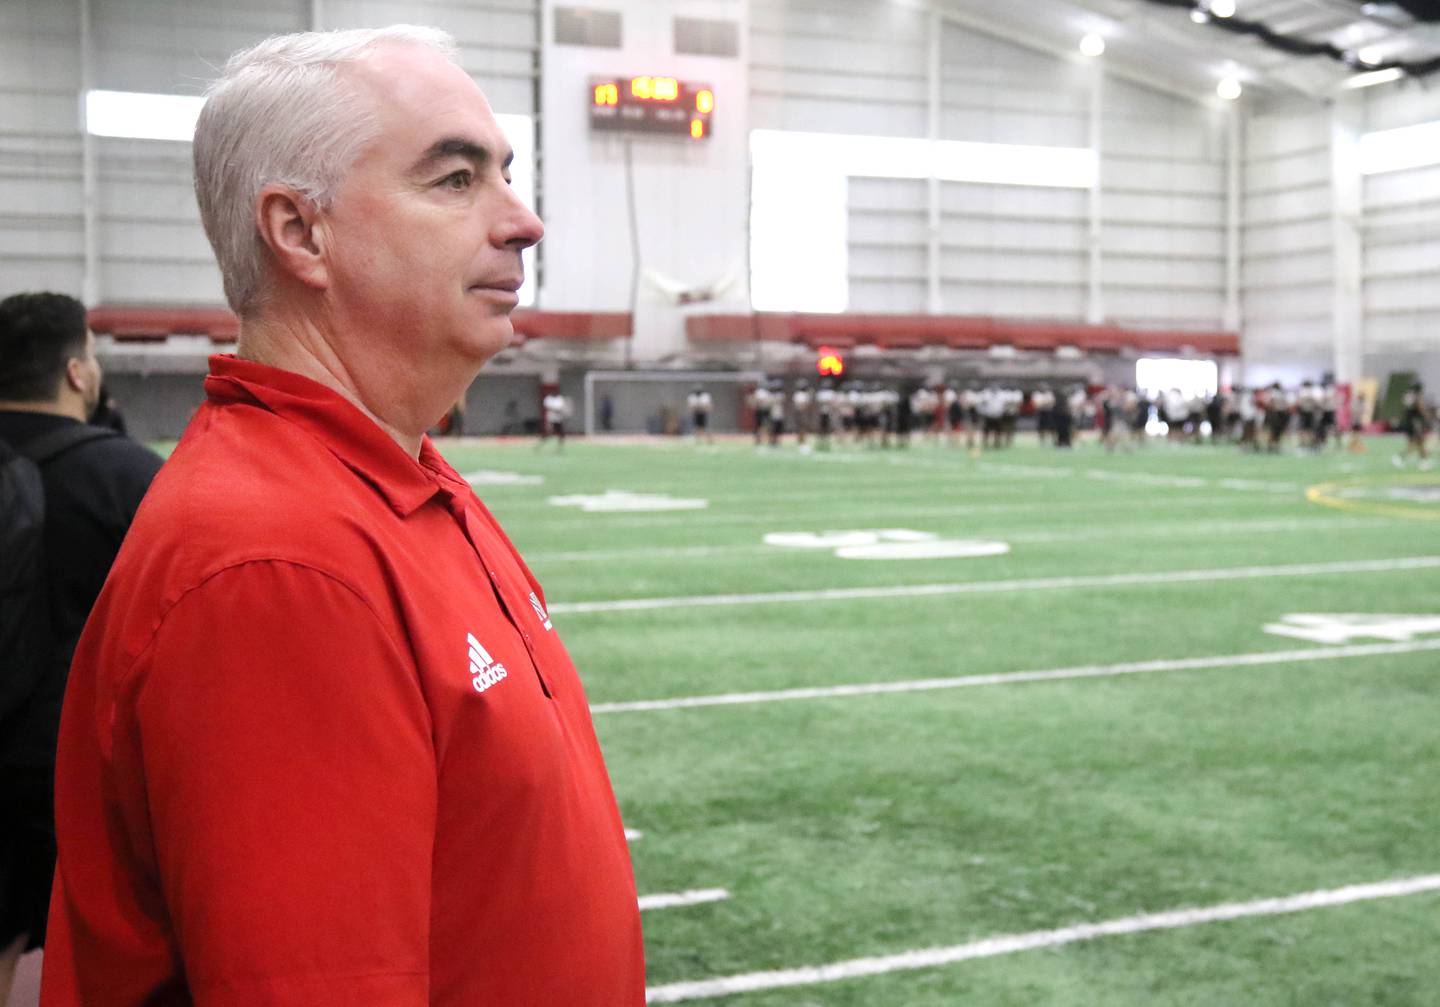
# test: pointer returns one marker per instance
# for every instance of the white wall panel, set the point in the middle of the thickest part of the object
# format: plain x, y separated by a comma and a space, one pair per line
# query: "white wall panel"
1164, 174
1283, 239
881, 262
1017, 201
978, 231
888, 296
849, 66
497, 39
1312, 268
1304, 168
826, 116
1023, 127
1287, 258
994, 91
1419, 254
888, 226
889, 276
1290, 206
1178, 210
40, 192
781, 81
1401, 235
1164, 273
1412, 331
1001, 266
1280, 303
1145, 241
886, 194
1403, 189
175, 46
1281, 129
1163, 209
1404, 104
1013, 300
1013, 251
1170, 301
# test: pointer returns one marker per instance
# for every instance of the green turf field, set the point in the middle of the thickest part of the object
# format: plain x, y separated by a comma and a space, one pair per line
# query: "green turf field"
1131, 782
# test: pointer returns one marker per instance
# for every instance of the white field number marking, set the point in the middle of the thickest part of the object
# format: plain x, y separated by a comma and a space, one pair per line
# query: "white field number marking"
990, 947
672, 900
622, 501
1001, 586
486, 477
886, 543
1255, 659
1344, 627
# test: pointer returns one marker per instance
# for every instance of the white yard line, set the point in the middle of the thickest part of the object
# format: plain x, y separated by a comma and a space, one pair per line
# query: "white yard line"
1144, 478
548, 520
999, 586
1014, 677
1130, 531
990, 947
631, 835
671, 900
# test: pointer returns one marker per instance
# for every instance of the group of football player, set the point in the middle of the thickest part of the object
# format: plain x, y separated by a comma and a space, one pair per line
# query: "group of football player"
1268, 418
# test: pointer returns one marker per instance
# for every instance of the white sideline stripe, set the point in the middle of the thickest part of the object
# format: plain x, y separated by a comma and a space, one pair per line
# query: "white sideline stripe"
1010, 943
633, 834
1206, 528
998, 586
670, 900
1012, 677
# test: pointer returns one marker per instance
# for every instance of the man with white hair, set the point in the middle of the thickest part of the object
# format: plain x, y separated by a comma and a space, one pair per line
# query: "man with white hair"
321, 742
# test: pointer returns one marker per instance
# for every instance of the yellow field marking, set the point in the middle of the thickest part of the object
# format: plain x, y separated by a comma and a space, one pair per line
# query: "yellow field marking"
1324, 494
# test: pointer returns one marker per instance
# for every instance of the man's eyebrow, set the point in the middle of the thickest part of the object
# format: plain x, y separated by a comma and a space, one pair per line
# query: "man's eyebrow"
459, 146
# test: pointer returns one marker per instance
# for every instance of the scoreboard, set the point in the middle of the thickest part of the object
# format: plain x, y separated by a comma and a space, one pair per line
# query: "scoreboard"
661, 105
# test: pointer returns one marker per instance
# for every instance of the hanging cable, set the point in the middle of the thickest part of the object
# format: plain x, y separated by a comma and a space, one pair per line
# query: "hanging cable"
1297, 46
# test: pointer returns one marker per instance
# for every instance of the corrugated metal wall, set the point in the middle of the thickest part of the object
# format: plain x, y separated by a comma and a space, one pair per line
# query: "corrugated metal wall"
1401, 236
1287, 246
859, 67
842, 66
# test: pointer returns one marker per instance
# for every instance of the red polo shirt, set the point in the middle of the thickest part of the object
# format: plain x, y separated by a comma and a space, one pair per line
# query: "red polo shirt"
321, 744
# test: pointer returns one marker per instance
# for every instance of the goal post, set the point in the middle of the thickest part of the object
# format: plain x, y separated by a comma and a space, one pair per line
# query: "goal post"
638, 399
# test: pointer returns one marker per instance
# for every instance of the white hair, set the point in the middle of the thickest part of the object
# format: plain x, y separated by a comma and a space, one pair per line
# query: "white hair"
282, 113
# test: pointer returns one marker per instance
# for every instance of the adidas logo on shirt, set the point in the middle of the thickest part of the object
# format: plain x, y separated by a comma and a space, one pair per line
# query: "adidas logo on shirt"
485, 671
539, 609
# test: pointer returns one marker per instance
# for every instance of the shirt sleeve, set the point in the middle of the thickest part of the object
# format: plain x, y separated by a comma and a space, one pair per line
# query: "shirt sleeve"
290, 776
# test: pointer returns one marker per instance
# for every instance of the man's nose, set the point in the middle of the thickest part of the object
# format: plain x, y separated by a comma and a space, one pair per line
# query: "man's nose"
519, 227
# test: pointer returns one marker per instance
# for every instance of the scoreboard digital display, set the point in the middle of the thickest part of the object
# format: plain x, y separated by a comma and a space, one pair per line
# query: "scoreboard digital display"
651, 105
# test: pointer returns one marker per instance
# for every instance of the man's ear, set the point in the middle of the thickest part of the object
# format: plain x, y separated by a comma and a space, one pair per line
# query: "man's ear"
289, 226
75, 375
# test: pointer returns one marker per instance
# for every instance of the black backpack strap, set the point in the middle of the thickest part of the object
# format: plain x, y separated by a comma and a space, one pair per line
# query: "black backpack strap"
49, 446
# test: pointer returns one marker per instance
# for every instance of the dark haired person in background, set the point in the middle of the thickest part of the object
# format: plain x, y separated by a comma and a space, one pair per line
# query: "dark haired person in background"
53, 559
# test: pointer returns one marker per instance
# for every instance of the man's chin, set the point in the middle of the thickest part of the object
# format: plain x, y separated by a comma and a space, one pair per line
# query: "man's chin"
491, 337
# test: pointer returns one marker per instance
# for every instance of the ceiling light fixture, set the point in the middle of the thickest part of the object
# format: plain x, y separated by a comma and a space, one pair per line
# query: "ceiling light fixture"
1370, 55
1092, 45
1199, 15
1372, 78
1222, 8
1229, 88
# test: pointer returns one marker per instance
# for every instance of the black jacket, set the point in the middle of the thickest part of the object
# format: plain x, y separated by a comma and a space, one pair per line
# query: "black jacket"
91, 494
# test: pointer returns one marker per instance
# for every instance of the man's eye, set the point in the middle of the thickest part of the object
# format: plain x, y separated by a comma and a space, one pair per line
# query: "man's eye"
457, 180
